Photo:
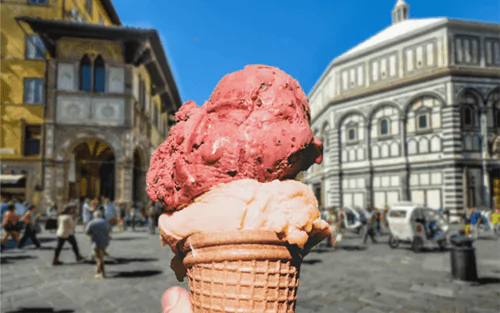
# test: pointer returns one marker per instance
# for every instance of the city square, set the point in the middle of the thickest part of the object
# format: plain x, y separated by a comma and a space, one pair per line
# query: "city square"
377, 120
352, 279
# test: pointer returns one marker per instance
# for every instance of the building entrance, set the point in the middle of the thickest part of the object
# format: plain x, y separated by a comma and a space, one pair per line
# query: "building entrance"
92, 171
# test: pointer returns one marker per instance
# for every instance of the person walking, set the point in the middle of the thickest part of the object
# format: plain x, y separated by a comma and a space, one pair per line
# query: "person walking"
466, 218
121, 220
89, 211
110, 213
10, 225
495, 221
52, 214
133, 215
341, 220
369, 227
325, 216
66, 232
29, 219
378, 222
98, 230
152, 217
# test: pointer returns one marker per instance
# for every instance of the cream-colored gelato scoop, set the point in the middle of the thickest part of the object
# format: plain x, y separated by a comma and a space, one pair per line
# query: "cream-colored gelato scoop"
288, 208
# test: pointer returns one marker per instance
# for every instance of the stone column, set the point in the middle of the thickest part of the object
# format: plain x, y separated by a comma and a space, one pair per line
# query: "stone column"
61, 181
49, 187
369, 190
402, 136
404, 176
452, 133
333, 170
404, 189
485, 155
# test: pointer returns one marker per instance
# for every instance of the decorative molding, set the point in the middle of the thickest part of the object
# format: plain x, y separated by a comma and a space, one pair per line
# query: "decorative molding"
441, 91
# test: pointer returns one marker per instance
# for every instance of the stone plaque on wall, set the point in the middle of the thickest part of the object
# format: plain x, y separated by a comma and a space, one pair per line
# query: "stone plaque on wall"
72, 109
66, 76
108, 111
116, 80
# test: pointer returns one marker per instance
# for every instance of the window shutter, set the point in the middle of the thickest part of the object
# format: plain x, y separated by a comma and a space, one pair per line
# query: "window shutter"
26, 90
39, 91
29, 48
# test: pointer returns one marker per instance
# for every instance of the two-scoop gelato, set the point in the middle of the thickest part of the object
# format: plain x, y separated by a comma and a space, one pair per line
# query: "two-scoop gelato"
255, 125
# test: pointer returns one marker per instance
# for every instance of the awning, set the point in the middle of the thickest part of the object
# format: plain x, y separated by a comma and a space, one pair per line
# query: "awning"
11, 178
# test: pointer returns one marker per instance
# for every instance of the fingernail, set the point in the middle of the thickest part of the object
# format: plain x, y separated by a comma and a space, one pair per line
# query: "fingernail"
171, 301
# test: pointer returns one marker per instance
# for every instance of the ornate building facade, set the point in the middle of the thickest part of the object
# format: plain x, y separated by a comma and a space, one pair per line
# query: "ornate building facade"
107, 101
412, 113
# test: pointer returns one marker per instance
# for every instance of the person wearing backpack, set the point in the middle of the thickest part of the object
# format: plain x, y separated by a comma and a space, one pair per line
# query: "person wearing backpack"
29, 220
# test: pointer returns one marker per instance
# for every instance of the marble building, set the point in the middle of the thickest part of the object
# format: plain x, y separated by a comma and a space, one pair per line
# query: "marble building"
412, 113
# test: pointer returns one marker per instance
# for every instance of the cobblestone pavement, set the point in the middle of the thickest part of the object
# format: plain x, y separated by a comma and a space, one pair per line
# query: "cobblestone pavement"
350, 279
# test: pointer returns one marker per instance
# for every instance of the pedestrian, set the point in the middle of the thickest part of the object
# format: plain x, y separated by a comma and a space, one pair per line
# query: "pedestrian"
133, 215
89, 211
336, 236
98, 230
369, 226
110, 213
52, 214
10, 225
495, 221
152, 217
378, 222
325, 216
29, 219
341, 220
475, 218
121, 220
446, 213
466, 218
384, 217
66, 232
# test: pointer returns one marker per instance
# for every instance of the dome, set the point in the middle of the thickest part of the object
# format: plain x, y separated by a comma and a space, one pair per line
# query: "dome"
392, 33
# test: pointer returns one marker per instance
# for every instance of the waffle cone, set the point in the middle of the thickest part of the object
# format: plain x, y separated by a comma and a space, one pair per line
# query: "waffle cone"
241, 271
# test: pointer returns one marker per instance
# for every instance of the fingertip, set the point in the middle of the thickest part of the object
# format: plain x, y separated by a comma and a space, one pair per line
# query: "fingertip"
176, 300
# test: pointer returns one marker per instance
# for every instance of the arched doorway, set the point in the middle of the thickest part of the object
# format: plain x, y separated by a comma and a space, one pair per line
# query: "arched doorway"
92, 171
138, 180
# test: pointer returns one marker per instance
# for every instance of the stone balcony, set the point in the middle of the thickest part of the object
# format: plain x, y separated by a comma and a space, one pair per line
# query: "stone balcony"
91, 109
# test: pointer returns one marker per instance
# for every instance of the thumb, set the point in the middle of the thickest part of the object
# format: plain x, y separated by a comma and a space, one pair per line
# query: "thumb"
176, 300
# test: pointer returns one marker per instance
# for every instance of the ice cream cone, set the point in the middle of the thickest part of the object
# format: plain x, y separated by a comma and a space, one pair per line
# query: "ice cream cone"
241, 271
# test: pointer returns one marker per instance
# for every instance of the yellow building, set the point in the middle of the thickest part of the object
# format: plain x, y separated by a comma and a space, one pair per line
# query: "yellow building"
84, 101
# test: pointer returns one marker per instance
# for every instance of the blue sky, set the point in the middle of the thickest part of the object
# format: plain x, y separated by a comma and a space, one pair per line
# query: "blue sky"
300, 37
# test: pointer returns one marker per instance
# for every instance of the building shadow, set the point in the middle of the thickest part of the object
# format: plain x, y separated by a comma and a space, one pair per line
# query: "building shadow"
135, 274
12, 258
351, 247
40, 310
119, 261
46, 239
489, 280
312, 261
128, 238
322, 250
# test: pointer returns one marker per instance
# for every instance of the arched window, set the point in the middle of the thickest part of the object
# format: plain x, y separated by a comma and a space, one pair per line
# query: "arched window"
467, 117
86, 74
383, 127
351, 134
497, 110
99, 75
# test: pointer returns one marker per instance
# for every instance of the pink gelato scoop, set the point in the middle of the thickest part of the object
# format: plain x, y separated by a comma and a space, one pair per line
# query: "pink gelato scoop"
256, 125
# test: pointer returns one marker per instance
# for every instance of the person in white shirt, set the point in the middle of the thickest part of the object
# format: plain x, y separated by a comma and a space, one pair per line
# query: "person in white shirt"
66, 232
